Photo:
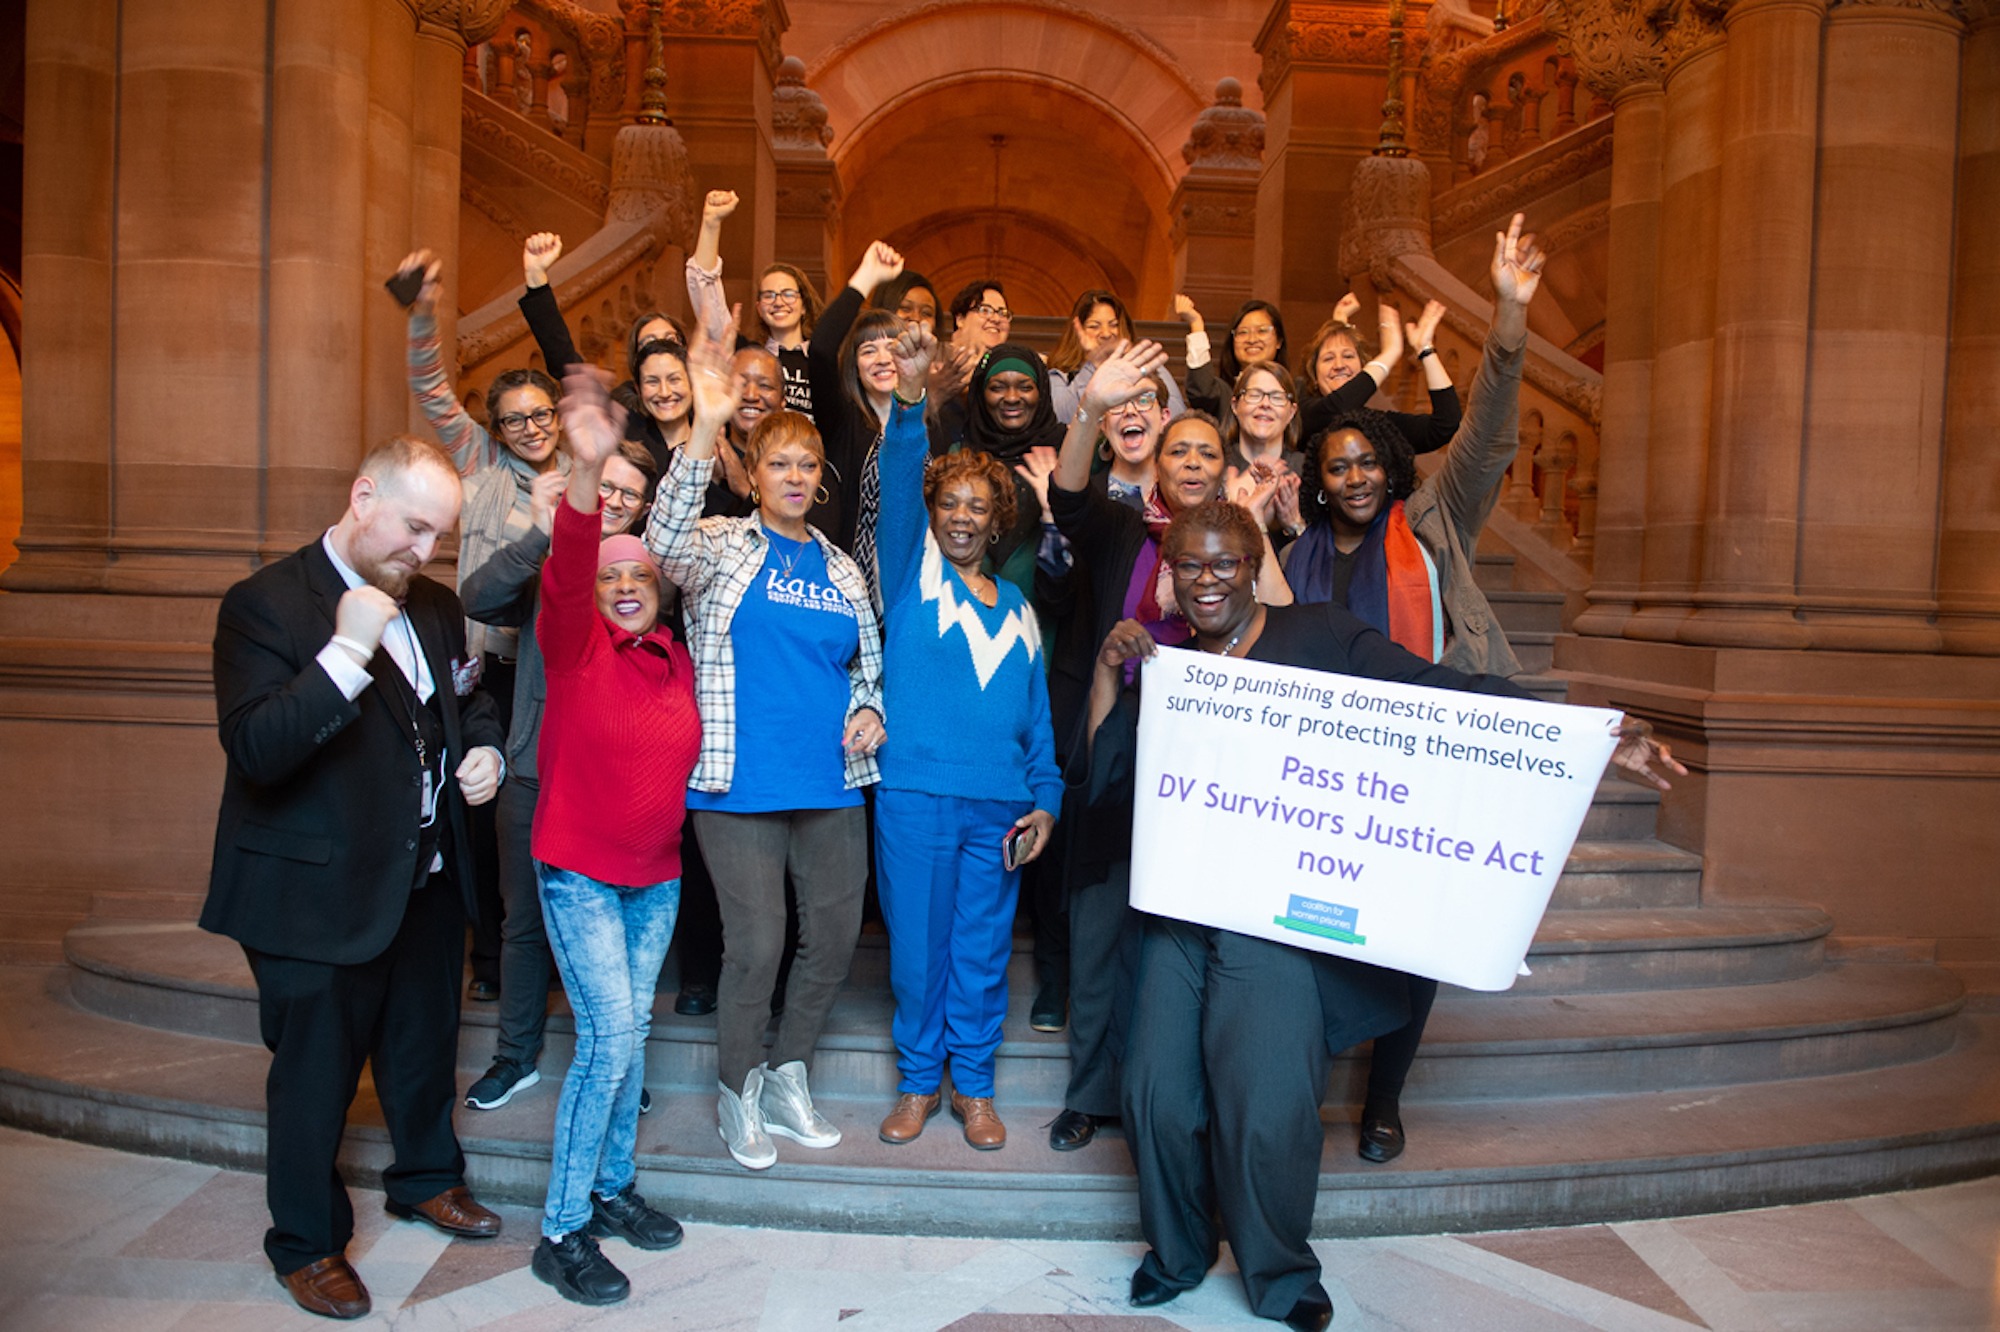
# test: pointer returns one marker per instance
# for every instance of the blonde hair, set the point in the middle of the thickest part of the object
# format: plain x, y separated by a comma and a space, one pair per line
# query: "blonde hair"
781, 429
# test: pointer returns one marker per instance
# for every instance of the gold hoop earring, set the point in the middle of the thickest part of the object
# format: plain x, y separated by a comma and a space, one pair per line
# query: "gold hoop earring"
1104, 450
822, 497
753, 496
992, 538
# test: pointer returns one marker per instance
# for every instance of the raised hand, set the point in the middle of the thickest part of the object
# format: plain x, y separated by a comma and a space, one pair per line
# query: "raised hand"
1638, 751
951, 370
718, 205
1389, 320
1287, 500
592, 422
1123, 375
716, 393
1185, 312
1517, 265
1036, 467
879, 263
427, 296
1346, 308
912, 351
544, 493
538, 256
363, 613
1423, 333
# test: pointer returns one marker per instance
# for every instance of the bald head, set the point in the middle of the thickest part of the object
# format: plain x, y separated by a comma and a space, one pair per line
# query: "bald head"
405, 498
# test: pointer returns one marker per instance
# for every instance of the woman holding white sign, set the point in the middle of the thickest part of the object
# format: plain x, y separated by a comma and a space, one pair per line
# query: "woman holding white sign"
1399, 554
1232, 1035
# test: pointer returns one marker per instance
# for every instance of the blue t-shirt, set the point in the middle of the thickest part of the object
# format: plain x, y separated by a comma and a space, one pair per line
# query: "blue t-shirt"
794, 635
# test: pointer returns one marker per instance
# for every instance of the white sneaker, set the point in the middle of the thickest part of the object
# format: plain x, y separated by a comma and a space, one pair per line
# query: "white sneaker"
741, 1123
788, 1108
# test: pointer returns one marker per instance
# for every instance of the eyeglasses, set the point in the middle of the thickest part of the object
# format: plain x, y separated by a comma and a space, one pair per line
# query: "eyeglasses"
1145, 402
1258, 397
779, 297
999, 312
606, 491
513, 421
1255, 330
1224, 567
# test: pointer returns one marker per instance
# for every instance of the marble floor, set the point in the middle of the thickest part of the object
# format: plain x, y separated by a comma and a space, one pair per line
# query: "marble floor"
98, 1239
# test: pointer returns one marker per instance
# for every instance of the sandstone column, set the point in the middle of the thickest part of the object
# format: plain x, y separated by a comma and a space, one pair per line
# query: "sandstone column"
807, 205
1214, 208
1763, 296
1620, 58
1969, 545
1677, 447
1881, 318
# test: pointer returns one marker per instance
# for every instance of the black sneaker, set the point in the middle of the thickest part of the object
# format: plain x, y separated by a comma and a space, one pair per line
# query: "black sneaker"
695, 1000
499, 1084
578, 1271
628, 1217
645, 1101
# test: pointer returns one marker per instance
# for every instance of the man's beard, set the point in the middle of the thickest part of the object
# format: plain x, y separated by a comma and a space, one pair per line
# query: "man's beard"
391, 578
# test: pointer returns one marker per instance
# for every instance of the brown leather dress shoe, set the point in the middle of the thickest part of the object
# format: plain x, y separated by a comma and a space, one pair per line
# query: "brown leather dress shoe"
983, 1128
329, 1288
913, 1110
454, 1211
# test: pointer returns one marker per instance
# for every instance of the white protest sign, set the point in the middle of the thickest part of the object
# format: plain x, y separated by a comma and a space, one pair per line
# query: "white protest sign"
1419, 829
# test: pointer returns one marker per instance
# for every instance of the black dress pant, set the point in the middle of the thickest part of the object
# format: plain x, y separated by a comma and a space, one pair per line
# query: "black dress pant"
1224, 1074
1104, 933
322, 1022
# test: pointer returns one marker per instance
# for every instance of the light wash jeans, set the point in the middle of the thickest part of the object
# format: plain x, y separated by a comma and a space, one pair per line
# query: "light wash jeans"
609, 943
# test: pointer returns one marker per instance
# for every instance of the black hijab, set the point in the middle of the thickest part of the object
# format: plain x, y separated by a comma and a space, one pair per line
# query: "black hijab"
982, 432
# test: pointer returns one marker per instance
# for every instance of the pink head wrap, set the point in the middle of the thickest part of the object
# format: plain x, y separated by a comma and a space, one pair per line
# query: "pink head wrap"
624, 546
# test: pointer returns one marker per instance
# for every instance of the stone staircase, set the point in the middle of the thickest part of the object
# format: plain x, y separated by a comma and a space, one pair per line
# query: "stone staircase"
1663, 1057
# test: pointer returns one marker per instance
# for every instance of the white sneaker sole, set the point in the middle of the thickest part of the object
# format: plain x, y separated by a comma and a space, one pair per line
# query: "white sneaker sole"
534, 1076
747, 1162
820, 1143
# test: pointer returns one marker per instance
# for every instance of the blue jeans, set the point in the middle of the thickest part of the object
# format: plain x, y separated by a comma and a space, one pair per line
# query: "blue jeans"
609, 943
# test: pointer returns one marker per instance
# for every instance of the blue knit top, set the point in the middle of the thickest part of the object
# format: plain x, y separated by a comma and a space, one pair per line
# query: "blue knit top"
965, 682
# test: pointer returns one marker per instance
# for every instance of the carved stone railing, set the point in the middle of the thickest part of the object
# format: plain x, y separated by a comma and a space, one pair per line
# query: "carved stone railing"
558, 65
1485, 102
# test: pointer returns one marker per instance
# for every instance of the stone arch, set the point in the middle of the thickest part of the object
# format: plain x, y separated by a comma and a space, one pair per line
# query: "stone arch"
934, 182
874, 75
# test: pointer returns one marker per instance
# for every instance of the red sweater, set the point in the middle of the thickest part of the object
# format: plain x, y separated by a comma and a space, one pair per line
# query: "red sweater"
620, 732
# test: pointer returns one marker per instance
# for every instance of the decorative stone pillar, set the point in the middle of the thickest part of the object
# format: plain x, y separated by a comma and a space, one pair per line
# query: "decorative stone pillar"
1620, 57
808, 183
1881, 322
1969, 544
1763, 301
201, 373
1214, 208
721, 59
1677, 446
1322, 85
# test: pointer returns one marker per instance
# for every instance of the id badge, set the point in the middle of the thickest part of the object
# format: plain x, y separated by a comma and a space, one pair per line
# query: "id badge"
430, 797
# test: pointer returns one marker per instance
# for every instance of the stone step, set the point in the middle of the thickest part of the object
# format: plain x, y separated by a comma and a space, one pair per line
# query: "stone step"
1493, 571
1527, 612
1478, 1046
1582, 952
1547, 688
1472, 1165
1621, 811
1536, 652
141, 904
1636, 872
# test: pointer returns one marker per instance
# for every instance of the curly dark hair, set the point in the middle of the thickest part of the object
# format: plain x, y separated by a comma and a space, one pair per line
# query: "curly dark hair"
1219, 516
1391, 450
971, 464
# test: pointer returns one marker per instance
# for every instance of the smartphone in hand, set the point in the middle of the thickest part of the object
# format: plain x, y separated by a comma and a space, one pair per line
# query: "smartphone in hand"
1017, 846
406, 286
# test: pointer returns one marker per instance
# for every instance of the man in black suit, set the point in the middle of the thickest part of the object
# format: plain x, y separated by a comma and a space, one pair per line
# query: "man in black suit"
355, 743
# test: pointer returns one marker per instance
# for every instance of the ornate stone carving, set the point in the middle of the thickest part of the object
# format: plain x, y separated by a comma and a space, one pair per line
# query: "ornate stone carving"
1447, 75
600, 42
482, 125
1508, 191
481, 200
798, 116
1213, 216
1613, 42
1388, 213
1688, 26
755, 19
650, 174
471, 21
1334, 34
1228, 136
1571, 231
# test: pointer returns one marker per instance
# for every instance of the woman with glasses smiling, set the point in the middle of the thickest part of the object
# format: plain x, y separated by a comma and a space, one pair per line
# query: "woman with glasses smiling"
1256, 337
785, 301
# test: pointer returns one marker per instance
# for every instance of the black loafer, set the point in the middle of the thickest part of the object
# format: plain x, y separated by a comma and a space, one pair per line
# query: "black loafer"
1381, 1136
1312, 1312
1148, 1290
1073, 1129
695, 1000
483, 991
1050, 1011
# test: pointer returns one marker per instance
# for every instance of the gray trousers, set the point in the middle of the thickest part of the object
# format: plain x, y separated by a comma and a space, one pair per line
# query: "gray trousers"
1104, 937
1224, 1074
525, 965
826, 851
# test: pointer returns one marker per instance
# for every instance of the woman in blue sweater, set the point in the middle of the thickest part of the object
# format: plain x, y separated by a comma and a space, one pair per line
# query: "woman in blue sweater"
973, 765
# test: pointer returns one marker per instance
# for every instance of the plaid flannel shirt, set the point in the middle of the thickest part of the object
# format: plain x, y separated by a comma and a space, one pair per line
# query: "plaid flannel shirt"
713, 560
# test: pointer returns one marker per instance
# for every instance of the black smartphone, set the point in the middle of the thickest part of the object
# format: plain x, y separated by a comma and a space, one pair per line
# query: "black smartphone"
1017, 846
406, 285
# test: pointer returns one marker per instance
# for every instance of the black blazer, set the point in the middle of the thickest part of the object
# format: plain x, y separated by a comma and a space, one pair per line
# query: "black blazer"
316, 844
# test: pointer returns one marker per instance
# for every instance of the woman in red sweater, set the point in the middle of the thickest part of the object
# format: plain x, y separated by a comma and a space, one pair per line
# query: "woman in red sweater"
619, 737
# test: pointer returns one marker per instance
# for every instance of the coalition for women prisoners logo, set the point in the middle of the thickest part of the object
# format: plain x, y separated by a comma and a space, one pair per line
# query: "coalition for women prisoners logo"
1329, 920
